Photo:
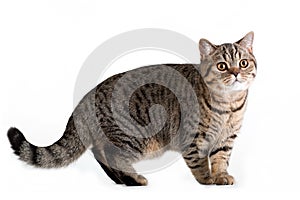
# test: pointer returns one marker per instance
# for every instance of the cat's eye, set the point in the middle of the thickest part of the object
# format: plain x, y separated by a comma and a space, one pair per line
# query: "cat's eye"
222, 66
244, 63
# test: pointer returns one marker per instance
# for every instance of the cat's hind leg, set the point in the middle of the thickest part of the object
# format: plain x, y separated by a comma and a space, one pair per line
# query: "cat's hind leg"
99, 156
118, 166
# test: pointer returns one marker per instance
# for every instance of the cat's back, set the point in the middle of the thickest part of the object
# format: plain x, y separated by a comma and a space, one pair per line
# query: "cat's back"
171, 76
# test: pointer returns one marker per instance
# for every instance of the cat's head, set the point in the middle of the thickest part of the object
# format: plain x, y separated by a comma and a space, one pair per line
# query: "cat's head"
229, 67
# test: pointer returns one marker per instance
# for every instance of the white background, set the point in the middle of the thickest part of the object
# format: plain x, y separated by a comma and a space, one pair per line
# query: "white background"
43, 45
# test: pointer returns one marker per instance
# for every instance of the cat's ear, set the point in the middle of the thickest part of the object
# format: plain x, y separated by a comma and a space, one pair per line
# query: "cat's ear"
206, 48
247, 41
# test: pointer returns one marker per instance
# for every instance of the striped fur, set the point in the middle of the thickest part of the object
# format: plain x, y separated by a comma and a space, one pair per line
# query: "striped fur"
67, 149
200, 114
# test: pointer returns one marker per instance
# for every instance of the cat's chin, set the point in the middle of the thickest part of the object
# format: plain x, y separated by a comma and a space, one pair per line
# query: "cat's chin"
234, 87
237, 86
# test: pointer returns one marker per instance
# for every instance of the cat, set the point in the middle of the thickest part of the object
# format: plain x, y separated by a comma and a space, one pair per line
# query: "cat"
194, 109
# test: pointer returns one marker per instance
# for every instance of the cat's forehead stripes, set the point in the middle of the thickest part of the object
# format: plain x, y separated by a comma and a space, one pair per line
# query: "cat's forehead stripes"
229, 52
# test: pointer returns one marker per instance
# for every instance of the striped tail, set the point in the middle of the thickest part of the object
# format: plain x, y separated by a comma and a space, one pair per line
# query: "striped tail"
63, 152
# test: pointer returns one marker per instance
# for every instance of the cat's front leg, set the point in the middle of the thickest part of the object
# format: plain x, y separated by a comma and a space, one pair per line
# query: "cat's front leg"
198, 165
219, 159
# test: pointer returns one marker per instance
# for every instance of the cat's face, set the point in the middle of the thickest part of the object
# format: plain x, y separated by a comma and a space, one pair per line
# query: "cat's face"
228, 68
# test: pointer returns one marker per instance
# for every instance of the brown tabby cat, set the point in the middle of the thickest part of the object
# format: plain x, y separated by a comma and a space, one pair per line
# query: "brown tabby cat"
194, 109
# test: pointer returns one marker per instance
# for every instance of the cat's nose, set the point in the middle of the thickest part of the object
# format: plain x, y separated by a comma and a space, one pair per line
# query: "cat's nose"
234, 70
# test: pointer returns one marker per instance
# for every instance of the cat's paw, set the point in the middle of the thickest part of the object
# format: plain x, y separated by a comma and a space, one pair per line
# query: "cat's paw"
142, 180
136, 180
224, 179
206, 181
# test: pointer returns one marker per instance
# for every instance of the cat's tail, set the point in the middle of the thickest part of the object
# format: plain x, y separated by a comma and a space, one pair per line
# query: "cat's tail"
63, 152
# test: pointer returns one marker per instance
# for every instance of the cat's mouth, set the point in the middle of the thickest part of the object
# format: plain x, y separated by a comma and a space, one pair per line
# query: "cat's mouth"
234, 81
237, 85
237, 81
